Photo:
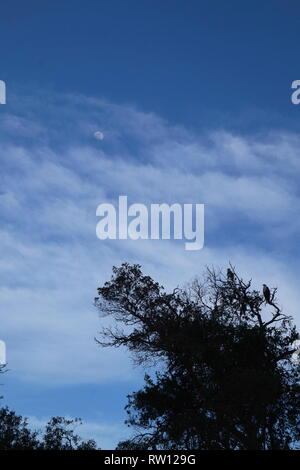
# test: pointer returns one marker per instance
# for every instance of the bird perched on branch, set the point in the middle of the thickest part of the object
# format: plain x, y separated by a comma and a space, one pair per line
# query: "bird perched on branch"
267, 294
230, 275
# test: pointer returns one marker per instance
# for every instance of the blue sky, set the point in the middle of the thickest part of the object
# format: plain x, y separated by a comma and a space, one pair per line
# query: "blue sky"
194, 102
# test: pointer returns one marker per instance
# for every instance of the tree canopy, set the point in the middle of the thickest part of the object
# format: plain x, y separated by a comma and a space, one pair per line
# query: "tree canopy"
58, 434
224, 379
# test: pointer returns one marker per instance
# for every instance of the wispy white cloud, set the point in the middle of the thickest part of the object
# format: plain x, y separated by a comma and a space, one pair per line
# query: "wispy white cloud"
55, 173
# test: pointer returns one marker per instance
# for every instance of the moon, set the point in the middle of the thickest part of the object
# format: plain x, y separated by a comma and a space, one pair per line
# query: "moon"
99, 135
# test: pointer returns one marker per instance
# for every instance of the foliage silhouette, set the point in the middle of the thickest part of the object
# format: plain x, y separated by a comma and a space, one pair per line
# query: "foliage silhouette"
15, 434
226, 377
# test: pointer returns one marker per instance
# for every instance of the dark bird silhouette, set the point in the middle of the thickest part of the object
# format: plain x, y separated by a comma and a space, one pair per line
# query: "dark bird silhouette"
267, 294
230, 275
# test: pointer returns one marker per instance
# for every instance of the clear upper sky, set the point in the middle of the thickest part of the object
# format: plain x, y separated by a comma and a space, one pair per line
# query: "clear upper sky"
193, 99
185, 60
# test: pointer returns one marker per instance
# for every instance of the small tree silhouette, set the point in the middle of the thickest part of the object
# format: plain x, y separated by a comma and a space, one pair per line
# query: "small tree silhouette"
16, 434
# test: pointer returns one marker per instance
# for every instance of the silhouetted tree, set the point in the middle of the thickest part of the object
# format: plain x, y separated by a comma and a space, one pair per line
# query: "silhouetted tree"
15, 434
226, 377
59, 435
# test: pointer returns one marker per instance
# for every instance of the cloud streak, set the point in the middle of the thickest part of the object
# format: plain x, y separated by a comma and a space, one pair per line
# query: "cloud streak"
54, 174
